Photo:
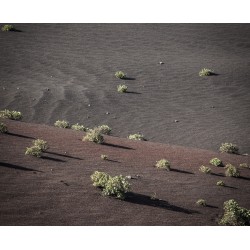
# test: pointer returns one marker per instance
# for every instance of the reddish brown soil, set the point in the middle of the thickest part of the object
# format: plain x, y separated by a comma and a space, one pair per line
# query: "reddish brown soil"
57, 190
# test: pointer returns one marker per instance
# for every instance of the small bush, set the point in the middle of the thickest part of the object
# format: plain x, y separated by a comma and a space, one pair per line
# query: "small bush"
13, 115
122, 88
231, 171
229, 148
201, 202
206, 72
34, 151
41, 144
104, 129
205, 169
137, 137
78, 127
116, 186
104, 157
3, 128
120, 74
220, 183
244, 165
94, 135
216, 162
62, 124
163, 163
8, 27
100, 179
234, 215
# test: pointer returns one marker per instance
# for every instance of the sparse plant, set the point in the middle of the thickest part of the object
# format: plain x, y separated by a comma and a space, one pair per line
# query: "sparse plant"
62, 124
231, 171
13, 115
116, 186
41, 144
104, 157
104, 129
229, 148
153, 196
234, 215
100, 179
122, 88
205, 169
220, 183
8, 27
34, 151
201, 202
78, 127
94, 135
164, 164
137, 137
120, 74
244, 165
3, 128
216, 162
206, 72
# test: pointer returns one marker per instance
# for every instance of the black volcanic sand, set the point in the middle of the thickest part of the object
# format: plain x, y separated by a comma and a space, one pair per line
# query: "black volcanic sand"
77, 63
57, 190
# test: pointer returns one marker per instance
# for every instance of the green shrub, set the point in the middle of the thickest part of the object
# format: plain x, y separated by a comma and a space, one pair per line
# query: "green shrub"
120, 74
137, 137
41, 144
206, 72
100, 179
8, 27
78, 127
163, 163
116, 186
104, 129
3, 128
205, 169
122, 88
231, 171
229, 148
104, 157
220, 183
62, 124
201, 202
244, 165
234, 215
94, 135
34, 151
13, 115
216, 162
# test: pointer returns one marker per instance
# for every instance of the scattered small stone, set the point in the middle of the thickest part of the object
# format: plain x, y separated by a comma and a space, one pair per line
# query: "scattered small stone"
65, 152
33, 99
176, 121
88, 105
88, 116
17, 88
143, 86
47, 89
4, 88
212, 107
161, 62
51, 169
129, 176
107, 113
51, 76
114, 117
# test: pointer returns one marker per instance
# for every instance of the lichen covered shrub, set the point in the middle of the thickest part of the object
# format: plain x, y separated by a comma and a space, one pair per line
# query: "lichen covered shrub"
8, 27
122, 88
244, 165
163, 164
3, 128
229, 148
234, 215
94, 135
62, 124
220, 183
104, 157
100, 179
34, 151
201, 202
216, 162
104, 129
231, 171
78, 127
120, 74
206, 72
43, 145
11, 114
137, 137
205, 169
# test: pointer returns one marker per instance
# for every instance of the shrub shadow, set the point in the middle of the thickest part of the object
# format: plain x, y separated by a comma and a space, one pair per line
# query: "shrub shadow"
52, 159
21, 136
133, 92
67, 156
181, 171
113, 160
116, 146
220, 175
128, 78
8, 165
230, 187
211, 206
146, 200
243, 178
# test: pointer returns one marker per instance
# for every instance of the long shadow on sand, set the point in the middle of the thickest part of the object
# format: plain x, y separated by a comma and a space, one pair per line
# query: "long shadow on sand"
243, 178
22, 136
52, 159
8, 165
67, 156
128, 78
181, 171
116, 146
146, 200
220, 175
230, 187
133, 92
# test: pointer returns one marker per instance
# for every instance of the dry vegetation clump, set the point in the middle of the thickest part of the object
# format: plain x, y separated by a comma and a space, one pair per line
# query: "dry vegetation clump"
206, 72
229, 148
78, 127
220, 183
234, 215
205, 170
244, 165
100, 179
3, 128
94, 135
104, 157
163, 164
8, 27
120, 74
122, 88
13, 115
231, 171
62, 124
201, 202
216, 162
104, 129
39, 146
137, 137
